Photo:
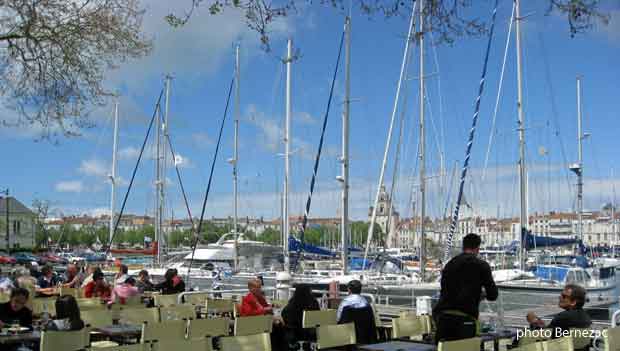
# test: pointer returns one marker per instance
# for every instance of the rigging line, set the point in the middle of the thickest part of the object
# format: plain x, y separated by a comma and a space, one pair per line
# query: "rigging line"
204, 202
135, 170
439, 95
498, 97
176, 167
318, 155
471, 139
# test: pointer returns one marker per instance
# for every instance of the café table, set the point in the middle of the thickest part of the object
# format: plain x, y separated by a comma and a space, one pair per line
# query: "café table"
11, 339
120, 332
398, 345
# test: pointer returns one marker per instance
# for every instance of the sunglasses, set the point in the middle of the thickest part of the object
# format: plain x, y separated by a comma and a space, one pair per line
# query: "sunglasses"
565, 296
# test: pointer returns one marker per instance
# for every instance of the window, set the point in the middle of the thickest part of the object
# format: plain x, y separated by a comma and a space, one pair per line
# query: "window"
16, 227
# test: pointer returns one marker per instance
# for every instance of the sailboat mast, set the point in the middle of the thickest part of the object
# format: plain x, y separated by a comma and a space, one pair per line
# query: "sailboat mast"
422, 149
158, 190
236, 158
164, 151
113, 175
345, 148
579, 172
289, 60
522, 190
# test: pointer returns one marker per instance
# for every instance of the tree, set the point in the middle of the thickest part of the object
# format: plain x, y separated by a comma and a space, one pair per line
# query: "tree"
40, 209
446, 18
269, 236
55, 54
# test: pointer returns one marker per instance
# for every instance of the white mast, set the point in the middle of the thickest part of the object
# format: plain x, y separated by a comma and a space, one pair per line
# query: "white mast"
403, 72
113, 175
345, 148
159, 190
236, 158
522, 191
165, 155
287, 131
579, 171
422, 149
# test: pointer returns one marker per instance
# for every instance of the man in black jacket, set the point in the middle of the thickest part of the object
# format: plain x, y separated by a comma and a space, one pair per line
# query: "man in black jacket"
462, 280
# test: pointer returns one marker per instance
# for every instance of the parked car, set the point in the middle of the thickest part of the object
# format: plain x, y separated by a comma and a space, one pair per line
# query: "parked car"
70, 257
6, 259
23, 258
51, 258
94, 257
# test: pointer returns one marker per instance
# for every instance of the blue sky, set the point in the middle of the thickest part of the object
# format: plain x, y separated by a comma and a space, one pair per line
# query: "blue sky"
72, 174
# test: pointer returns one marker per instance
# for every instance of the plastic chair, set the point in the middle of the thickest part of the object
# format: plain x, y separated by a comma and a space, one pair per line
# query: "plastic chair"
581, 338
612, 339
220, 306
335, 335
182, 345
253, 325
4, 297
200, 328
134, 301
96, 318
407, 327
139, 315
168, 330
313, 319
471, 344
256, 342
40, 305
166, 300
177, 312
530, 339
198, 299
534, 346
68, 291
64, 340
90, 304
133, 347
560, 344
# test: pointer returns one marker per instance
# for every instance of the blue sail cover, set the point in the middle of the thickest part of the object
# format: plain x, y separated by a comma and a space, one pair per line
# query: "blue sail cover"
533, 241
295, 245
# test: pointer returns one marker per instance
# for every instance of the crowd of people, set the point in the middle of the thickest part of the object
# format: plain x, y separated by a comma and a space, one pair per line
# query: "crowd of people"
465, 281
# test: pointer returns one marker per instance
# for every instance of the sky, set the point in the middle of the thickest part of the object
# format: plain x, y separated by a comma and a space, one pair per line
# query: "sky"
72, 173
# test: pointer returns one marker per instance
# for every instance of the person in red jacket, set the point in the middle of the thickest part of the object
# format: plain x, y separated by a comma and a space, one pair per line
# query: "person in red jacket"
254, 303
97, 287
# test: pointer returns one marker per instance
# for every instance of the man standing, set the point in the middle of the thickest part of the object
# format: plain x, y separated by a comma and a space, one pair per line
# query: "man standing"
571, 300
462, 279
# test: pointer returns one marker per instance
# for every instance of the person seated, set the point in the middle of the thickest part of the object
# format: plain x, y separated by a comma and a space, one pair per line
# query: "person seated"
46, 282
122, 274
293, 313
98, 287
6, 285
143, 283
90, 269
123, 291
172, 284
67, 315
15, 310
355, 308
571, 300
254, 303
73, 278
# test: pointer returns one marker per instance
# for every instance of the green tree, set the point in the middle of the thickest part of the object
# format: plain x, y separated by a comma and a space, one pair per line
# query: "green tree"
269, 236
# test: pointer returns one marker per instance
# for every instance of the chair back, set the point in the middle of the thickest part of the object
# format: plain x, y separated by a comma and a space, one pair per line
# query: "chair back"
167, 330
279, 303
68, 291
534, 346
90, 304
97, 318
196, 299
335, 335
535, 336
134, 301
200, 328
219, 306
39, 305
139, 315
581, 338
182, 345
4, 297
253, 325
177, 312
64, 340
407, 327
471, 344
612, 339
559, 344
313, 319
166, 300
256, 342
132, 347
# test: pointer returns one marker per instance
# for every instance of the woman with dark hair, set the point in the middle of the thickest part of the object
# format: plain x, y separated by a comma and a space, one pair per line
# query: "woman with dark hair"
293, 313
172, 284
67, 315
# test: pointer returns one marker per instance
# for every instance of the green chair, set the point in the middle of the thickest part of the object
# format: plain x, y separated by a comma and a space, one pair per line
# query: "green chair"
97, 318
335, 336
64, 340
581, 338
407, 327
166, 300
40, 305
533, 346
559, 344
197, 299
177, 312
181, 345
256, 342
69, 291
471, 344
253, 325
212, 327
163, 331
313, 319
220, 306
612, 339
90, 304
139, 315
133, 347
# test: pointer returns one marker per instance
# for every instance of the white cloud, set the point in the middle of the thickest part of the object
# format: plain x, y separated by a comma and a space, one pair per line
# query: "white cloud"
99, 211
182, 161
94, 167
72, 186
128, 153
201, 139
305, 118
